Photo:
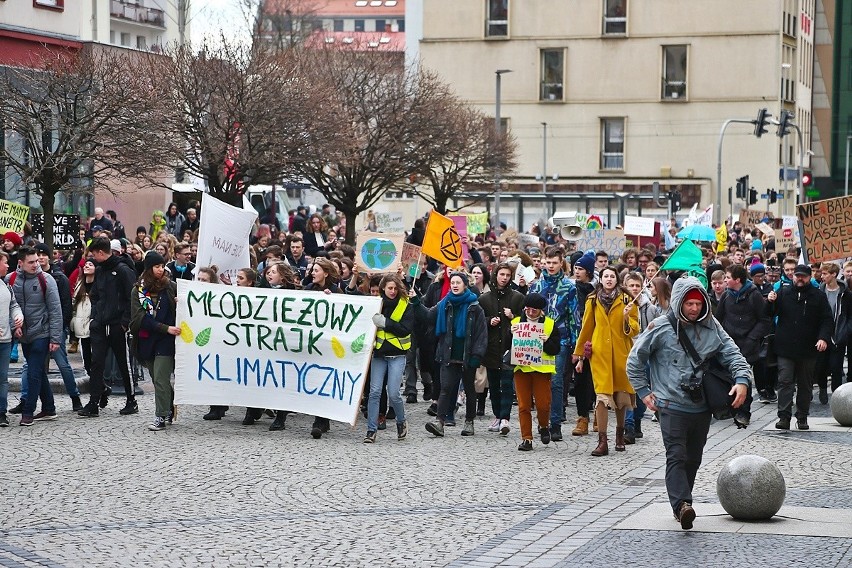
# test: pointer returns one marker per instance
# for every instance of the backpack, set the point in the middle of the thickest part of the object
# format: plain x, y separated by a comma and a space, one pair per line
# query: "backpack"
42, 281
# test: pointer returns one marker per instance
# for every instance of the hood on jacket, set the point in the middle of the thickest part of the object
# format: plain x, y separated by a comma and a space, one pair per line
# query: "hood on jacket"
679, 291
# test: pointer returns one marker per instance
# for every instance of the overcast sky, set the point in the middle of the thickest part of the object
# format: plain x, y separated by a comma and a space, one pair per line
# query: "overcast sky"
210, 16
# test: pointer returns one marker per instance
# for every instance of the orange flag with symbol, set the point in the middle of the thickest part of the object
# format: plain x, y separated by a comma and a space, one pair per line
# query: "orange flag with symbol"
442, 241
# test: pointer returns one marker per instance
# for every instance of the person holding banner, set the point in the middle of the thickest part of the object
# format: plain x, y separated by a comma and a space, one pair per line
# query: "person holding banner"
610, 322
462, 340
395, 324
532, 382
152, 323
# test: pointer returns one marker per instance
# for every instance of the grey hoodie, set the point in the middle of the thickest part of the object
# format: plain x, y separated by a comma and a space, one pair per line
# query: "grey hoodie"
658, 349
42, 310
9, 310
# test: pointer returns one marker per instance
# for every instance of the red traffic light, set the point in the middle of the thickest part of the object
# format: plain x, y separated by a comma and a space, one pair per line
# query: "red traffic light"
807, 179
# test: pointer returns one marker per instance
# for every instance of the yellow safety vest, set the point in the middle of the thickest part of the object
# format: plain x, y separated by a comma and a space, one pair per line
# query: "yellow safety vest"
548, 362
403, 343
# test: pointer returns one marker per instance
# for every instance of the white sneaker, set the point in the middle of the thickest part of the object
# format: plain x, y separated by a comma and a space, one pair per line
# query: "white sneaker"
495, 426
504, 427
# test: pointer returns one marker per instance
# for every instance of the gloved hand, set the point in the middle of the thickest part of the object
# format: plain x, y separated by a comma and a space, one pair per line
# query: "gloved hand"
379, 320
473, 362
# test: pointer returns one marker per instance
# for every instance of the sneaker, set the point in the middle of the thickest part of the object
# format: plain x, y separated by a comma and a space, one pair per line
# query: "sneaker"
130, 408
19, 408
782, 424
76, 405
401, 430
214, 414
26, 420
105, 397
556, 432
4, 422
495, 426
89, 411
159, 423
686, 515
411, 399
73, 346
433, 409
269, 412
468, 429
525, 446
370, 438
823, 396
773, 396
802, 424
545, 435
383, 422
316, 432
44, 416
278, 423
629, 435
435, 428
504, 427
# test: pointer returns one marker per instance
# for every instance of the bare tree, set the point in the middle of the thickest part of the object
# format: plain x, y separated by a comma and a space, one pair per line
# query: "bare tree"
238, 116
465, 150
82, 123
381, 106
282, 23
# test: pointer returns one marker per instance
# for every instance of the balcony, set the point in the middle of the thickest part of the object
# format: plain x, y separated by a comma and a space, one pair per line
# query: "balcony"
134, 12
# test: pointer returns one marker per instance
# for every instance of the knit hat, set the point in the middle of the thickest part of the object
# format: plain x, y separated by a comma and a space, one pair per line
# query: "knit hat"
757, 268
536, 301
694, 294
153, 259
756, 244
575, 256
115, 245
463, 275
587, 263
14, 237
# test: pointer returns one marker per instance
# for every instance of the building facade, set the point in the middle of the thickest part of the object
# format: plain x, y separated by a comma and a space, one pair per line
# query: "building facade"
609, 96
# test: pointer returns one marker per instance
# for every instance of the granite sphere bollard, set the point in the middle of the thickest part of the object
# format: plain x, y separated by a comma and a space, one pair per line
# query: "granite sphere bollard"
841, 404
751, 488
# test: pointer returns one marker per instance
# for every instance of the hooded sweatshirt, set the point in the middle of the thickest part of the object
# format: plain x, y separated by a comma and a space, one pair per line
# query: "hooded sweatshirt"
667, 361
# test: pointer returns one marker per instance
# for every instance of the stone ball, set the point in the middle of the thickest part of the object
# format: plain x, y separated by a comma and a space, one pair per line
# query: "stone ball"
841, 404
751, 488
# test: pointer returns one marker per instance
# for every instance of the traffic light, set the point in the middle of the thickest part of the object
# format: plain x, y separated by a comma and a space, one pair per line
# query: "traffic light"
784, 123
807, 178
773, 196
761, 123
742, 187
674, 199
752, 196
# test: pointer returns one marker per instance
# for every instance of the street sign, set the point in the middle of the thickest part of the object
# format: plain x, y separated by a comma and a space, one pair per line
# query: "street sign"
764, 196
792, 174
812, 193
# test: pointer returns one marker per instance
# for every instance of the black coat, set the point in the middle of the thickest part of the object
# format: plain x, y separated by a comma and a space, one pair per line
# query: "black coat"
110, 294
804, 317
842, 320
493, 303
746, 319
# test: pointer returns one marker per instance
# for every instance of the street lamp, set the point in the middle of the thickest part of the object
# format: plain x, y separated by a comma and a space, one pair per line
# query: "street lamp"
499, 132
784, 68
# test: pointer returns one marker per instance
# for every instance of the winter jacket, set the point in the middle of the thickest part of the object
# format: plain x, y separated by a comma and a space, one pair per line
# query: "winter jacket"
41, 308
9, 310
561, 296
151, 337
110, 294
312, 246
842, 320
612, 337
493, 303
648, 310
174, 224
82, 314
64, 287
476, 335
185, 274
404, 327
667, 361
744, 315
803, 317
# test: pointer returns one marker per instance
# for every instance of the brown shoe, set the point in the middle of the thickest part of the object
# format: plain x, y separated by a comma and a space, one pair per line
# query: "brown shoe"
582, 428
619, 440
686, 515
603, 447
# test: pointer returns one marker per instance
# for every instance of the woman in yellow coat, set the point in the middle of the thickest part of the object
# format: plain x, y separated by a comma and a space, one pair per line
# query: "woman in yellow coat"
610, 323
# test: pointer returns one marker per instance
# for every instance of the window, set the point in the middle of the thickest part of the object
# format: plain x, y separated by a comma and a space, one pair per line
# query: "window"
400, 25
112, 37
359, 25
497, 18
125, 39
380, 25
612, 144
141, 43
50, 4
615, 17
399, 194
338, 25
552, 71
674, 72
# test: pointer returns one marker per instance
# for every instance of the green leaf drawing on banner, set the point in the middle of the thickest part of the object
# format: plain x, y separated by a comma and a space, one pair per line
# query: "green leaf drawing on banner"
358, 344
203, 337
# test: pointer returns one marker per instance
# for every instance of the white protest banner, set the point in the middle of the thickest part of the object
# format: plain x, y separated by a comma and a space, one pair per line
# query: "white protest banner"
223, 236
378, 252
705, 217
527, 346
610, 240
525, 241
525, 272
294, 350
639, 226
390, 222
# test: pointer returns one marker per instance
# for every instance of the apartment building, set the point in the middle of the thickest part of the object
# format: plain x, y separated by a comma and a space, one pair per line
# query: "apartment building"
606, 97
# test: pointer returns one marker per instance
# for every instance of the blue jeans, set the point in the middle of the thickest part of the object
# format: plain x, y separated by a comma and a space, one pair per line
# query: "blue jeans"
5, 353
394, 367
36, 353
557, 385
635, 415
60, 356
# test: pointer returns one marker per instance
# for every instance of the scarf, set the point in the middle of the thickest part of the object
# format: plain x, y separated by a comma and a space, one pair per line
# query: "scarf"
445, 283
146, 300
460, 303
607, 298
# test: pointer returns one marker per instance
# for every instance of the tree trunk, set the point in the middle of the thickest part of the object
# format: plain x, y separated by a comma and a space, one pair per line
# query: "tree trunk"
48, 197
441, 202
351, 218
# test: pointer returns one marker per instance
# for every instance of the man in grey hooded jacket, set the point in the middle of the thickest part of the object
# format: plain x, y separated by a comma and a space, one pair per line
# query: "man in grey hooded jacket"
684, 423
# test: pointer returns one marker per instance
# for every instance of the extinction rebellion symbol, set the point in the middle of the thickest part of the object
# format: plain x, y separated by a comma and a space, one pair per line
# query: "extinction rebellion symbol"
451, 244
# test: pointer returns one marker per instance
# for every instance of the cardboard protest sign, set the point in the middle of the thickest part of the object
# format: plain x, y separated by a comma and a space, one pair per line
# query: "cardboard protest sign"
442, 241
460, 222
477, 223
765, 229
752, 217
525, 272
411, 260
639, 226
66, 229
527, 346
378, 252
223, 236
610, 240
390, 222
792, 222
525, 241
784, 239
294, 350
13, 216
827, 229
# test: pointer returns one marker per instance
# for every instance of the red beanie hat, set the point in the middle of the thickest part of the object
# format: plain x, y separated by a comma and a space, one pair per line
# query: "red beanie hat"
694, 294
14, 237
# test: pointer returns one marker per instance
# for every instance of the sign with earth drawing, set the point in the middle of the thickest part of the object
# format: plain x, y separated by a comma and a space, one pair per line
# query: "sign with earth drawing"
379, 252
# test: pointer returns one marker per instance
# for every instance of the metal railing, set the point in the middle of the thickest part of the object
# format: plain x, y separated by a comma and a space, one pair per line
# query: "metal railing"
133, 12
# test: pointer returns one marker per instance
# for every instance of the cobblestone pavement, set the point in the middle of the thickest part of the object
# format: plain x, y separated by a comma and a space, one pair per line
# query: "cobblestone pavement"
107, 492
